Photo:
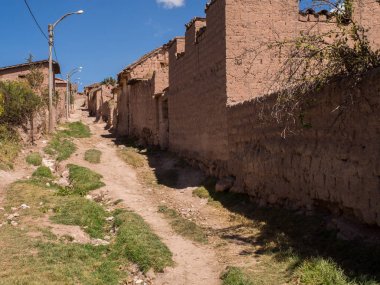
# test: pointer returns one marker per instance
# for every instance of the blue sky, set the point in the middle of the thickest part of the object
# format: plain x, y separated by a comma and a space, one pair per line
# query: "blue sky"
106, 38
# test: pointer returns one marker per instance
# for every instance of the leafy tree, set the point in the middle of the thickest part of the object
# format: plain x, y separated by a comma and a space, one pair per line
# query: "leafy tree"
109, 81
19, 101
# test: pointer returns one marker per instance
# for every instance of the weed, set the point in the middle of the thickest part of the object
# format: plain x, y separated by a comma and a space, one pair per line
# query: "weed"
236, 276
137, 242
43, 172
87, 214
83, 179
92, 156
183, 226
34, 159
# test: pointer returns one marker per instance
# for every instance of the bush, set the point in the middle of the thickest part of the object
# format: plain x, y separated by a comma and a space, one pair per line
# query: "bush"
34, 159
9, 147
18, 102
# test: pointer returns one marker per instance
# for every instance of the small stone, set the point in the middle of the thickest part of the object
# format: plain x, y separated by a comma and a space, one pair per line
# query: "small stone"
41, 203
107, 238
48, 184
24, 207
14, 209
13, 223
110, 219
89, 197
2, 209
98, 242
138, 282
10, 217
16, 215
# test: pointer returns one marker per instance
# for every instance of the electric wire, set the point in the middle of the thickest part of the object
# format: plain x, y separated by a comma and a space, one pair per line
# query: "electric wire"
35, 20
40, 28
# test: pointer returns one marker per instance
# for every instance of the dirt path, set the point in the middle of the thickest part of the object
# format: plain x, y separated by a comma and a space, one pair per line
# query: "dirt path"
195, 264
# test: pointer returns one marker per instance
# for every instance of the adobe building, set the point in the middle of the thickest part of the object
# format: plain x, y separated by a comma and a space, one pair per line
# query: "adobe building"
98, 96
142, 104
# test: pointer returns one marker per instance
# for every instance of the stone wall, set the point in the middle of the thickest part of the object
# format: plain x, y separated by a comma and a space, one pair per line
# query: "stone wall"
334, 164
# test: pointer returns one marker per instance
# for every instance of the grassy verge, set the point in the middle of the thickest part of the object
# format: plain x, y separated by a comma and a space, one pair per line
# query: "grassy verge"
183, 226
9, 147
84, 180
34, 159
87, 214
138, 243
131, 156
61, 145
76, 130
31, 254
236, 276
93, 156
44, 172
292, 248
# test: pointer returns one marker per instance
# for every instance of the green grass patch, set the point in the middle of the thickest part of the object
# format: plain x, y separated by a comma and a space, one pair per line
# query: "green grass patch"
34, 159
236, 276
140, 244
43, 172
76, 130
60, 147
183, 226
131, 156
318, 271
84, 180
93, 156
87, 214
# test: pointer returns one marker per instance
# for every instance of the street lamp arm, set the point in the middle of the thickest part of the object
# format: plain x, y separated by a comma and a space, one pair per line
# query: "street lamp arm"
64, 16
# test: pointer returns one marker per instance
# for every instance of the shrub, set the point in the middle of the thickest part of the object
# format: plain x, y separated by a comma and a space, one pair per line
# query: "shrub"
18, 102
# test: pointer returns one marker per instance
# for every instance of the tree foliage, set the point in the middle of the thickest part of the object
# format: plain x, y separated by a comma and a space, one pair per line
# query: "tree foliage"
19, 101
109, 81
313, 60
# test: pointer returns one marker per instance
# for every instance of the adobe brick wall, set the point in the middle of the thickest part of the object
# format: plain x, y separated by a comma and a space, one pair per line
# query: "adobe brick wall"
141, 84
251, 25
334, 164
197, 90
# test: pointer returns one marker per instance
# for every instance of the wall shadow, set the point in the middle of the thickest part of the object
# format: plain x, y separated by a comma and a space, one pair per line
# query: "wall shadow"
277, 232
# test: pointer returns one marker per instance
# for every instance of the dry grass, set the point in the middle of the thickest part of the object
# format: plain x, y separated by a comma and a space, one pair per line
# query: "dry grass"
93, 156
183, 226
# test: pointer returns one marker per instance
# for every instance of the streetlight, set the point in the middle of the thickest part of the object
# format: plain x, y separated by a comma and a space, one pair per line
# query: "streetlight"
51, 79
68, 93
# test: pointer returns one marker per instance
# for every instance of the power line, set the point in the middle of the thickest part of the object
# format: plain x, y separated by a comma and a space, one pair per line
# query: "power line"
35, 20
40, 28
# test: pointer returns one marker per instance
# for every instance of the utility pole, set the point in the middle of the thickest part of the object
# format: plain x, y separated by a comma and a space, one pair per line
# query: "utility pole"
51, 78
68, 90
51, 73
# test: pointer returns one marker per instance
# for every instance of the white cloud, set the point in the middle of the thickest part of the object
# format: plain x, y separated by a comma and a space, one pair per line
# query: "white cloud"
170, 4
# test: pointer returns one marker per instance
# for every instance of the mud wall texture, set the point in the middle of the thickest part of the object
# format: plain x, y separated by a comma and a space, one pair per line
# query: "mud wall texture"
197, 90
334, 163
